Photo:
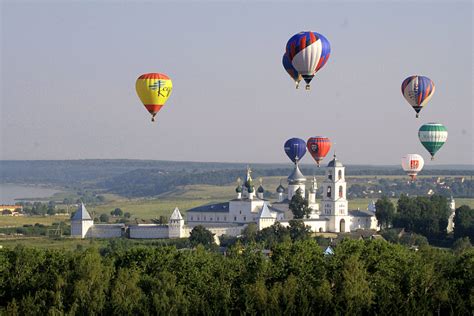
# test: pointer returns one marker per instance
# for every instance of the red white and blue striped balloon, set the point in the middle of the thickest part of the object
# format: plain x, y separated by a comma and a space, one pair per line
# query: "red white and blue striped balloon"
418, 90
308, 53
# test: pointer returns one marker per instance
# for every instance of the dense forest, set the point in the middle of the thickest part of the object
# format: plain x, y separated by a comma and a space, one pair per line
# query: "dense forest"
370, 277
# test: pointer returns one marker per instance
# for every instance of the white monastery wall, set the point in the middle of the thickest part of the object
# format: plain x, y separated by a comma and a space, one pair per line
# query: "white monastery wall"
105, 231
146, 231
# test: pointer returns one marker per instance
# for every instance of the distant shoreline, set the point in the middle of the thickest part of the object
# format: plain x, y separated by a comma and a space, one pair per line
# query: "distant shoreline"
11, 193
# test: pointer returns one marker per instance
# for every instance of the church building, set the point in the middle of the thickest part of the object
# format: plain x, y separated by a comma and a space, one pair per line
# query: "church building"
332, 214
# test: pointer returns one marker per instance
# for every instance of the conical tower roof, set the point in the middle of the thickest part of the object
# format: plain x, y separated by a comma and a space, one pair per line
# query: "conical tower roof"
176, 214
81, 213
265, 212
296, 176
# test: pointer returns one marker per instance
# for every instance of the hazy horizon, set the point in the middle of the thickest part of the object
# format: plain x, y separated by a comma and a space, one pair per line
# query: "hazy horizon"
69, 70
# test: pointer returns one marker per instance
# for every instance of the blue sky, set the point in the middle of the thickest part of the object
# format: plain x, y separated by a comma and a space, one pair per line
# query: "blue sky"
69, 70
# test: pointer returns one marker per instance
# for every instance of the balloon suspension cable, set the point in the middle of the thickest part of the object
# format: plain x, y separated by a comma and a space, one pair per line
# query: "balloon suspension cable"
308, 87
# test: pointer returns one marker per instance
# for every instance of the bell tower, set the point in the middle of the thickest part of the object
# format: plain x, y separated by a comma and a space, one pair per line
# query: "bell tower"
334, 199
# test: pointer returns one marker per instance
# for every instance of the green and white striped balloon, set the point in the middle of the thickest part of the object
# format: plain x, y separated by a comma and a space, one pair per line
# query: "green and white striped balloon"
433, 136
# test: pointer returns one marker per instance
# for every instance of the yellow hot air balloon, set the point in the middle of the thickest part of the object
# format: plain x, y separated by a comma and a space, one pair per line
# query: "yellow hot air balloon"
153, 89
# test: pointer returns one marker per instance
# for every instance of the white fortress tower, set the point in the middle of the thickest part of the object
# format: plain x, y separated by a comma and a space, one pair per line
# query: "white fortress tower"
334, 202
176, 225
81, 222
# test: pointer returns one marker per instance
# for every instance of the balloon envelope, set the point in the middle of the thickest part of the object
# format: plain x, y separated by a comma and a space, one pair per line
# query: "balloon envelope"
412, 164
433, 136
418, 90
295, 148
308, 53
318, 147
291, 70
153, 89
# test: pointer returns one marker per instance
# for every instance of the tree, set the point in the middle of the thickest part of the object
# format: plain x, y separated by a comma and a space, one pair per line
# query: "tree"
126, 297
298, 230
104, 218
464, 222
354, 289
249, 234
385, 212
299, 206
461, 245
117, 212
273, 235
127, 215
423, 215
201, 235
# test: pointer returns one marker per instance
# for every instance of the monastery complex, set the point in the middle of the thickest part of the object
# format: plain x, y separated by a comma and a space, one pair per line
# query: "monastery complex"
330, 214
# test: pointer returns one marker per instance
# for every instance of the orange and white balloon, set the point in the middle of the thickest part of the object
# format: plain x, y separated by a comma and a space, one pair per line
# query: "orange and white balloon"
412, 164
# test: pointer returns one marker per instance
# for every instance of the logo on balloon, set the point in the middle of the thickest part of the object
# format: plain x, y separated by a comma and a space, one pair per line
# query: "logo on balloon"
314, 147
160, 86
414, 164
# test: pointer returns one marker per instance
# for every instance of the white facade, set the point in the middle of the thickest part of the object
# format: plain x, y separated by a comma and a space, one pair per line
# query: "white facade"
452, 208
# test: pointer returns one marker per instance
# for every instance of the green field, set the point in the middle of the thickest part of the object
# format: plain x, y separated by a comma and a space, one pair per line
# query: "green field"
15, 221
184, 198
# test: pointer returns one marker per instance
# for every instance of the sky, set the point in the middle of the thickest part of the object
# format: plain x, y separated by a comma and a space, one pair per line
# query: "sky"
68, 74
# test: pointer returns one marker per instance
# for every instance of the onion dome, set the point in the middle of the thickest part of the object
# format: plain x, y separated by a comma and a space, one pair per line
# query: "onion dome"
250, 188
335, 163
296, 177
260, 189
280, 189
238, 189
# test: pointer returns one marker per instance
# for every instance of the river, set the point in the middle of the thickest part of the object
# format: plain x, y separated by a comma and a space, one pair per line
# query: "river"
11, 193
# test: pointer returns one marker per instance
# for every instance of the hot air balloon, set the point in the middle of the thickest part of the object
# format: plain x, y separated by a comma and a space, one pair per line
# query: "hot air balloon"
291, 70
412, 164
295, 149
433, 136
153, 89
418, 90
308, 53
318, 147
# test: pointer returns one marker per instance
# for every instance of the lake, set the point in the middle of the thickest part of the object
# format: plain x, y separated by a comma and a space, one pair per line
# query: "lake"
11, 193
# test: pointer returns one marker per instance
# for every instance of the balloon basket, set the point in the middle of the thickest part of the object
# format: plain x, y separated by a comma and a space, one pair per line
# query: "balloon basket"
417, 115
308, 87
153, 119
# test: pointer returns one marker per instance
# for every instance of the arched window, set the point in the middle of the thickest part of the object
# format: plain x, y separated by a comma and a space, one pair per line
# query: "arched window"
328, 193
340, 191
339, 174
